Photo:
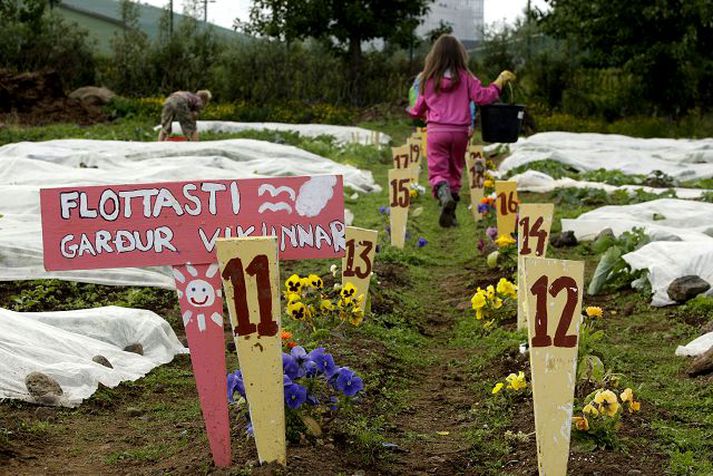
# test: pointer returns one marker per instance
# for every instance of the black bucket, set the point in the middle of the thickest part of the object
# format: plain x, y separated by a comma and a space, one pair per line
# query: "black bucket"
501, 122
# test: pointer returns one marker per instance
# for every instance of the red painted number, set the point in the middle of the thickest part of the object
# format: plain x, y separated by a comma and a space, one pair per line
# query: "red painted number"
477, 174
260, 268
508, 204
399, 193
535, 232
415, 151
540, 290
357, 271
401, 161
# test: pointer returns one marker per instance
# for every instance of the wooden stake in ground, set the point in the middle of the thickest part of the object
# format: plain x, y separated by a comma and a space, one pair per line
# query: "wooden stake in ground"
506, 206
358, 262
533, 234
399, 201
401, 156
475, 164
554, 303
250, 274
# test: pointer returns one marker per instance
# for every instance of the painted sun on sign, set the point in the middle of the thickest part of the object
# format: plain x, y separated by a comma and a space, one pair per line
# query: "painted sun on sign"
200, 293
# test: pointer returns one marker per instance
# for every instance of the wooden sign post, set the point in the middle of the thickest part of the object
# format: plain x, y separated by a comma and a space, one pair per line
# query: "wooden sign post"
399, 201
415, 150
475, 164
250, 275
506, 206
533, 235
358, 261
178, 223
554, 302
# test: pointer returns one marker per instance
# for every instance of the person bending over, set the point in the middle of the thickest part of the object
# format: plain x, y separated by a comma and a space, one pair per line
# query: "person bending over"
184, 107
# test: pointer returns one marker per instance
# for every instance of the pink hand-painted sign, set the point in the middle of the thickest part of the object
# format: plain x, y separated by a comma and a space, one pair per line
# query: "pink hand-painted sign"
112, 226
178, 224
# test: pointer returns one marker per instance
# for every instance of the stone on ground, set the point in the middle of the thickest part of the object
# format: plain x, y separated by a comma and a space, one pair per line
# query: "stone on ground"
687, 287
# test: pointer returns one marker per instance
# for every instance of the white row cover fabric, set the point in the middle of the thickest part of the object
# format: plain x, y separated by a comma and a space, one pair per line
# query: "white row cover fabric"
683, 231
697, 346
342, 134
539, 182
27, 167
683, 159
62, 344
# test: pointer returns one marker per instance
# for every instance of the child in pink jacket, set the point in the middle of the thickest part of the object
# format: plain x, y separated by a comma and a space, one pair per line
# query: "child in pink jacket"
446, 89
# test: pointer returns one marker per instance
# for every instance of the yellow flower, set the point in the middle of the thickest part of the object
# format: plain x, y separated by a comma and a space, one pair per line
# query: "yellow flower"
490, 292
326, 305
498, 386
516, 382
315, 281
348, 291
304, 282
297, 310
413, 193
607, 401
294, 284
479, 314
594, 311
504, 240
489, 325
627, 395
357, 317
292, 297
581, 423
488, 184
497, 303
478, 300
506, 288
634, 407
590, 409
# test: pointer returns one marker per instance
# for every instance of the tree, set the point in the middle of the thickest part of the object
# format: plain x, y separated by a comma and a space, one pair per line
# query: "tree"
345, 24
666, 44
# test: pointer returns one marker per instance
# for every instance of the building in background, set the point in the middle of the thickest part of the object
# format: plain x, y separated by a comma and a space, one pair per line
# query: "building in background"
102, 19
464, 16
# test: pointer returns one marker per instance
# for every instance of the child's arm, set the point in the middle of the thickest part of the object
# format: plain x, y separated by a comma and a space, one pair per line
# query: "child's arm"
419, 109
481, 95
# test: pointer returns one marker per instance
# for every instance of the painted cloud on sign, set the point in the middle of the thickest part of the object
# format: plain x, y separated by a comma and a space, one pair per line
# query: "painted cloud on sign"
314, 195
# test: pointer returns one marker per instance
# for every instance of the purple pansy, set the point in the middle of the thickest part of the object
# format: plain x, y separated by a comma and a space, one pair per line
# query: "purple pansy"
421, 242
483, 208
235, 384
299, 354
290, 367
384, 210
324, 361
295, 395
492, 232
348, 382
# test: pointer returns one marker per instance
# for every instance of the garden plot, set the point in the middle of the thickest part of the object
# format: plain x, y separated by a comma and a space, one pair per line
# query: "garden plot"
682, 159
27, 167
539, 182
62, 345
683, 234
342, 134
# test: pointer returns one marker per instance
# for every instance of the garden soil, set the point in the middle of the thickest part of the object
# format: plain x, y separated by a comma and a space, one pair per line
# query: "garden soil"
37, 98
428, 436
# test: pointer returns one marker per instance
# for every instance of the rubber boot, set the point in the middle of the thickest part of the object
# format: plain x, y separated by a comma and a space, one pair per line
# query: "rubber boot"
456, 198
448, 205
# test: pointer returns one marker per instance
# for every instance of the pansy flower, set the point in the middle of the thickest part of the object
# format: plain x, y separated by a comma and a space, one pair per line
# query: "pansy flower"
315, 281
348, 382
235, 384
297, 310
293, 284
607, 401
348, 291
581, 423
324, 361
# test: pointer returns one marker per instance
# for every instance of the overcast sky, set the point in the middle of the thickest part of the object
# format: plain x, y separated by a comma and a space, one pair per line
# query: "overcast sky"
223, 12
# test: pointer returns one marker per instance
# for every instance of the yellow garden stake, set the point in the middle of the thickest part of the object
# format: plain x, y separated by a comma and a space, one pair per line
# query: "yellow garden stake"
401, 157
415, 154
249, 270
424, 136
475, 163
399, 201
358, 262
553, 290
506, 206
533, 234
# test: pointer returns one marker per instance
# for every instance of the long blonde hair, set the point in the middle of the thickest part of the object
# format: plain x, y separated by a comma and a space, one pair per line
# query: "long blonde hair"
447, 53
